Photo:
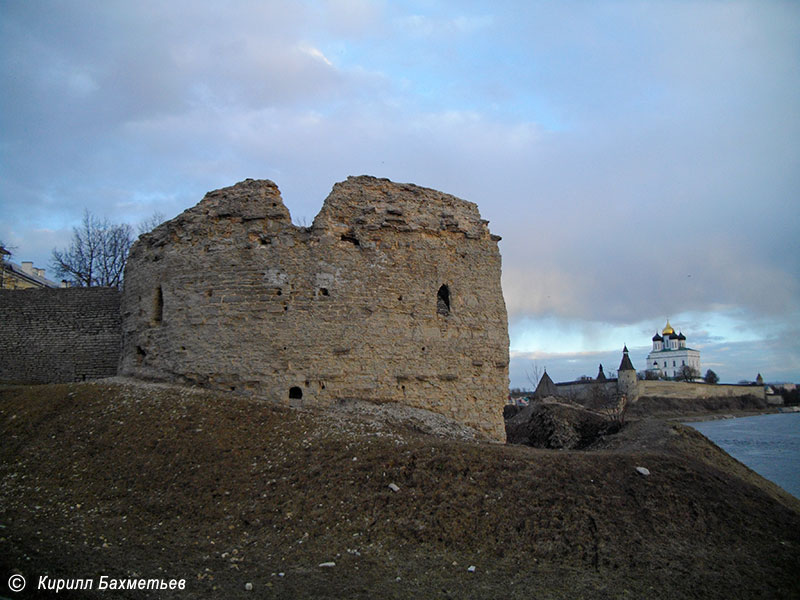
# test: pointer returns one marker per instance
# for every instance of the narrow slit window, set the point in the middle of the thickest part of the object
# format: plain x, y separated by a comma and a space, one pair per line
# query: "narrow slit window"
443, 301
158, 306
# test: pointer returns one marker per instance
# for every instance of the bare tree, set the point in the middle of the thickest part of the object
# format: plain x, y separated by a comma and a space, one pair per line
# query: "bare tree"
534, 374
6, 251
150, 223
598, 395
687, 373
616, 410
97, 254
4, 254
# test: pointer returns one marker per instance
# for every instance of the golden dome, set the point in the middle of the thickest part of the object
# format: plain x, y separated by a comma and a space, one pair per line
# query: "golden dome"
668, 330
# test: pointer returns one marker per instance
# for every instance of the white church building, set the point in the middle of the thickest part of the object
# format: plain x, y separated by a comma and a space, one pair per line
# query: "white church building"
670, 353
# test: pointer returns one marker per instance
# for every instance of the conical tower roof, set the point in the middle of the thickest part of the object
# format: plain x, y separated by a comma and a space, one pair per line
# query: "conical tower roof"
626, 364
546, 387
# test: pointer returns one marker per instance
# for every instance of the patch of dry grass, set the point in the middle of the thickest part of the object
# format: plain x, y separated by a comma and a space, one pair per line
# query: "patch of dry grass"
162, 481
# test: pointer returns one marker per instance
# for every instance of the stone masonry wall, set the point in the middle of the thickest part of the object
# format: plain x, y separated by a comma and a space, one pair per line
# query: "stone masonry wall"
59, 335
585, 390
661, 389
680, 389
392, 295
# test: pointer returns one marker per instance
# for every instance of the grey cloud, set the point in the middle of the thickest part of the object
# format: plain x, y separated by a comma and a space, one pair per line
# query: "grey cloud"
639, 160
353, 18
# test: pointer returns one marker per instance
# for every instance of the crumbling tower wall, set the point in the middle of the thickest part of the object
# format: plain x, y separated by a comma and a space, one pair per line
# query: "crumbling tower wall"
392, 295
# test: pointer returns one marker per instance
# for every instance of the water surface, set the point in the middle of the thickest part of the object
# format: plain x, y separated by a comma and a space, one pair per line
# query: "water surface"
768, 444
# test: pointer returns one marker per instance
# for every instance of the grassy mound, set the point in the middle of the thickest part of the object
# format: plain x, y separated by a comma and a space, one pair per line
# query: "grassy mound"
143, 480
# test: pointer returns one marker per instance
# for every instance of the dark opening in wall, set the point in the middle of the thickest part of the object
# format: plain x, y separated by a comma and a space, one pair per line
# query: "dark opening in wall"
443, 301
324, 292
350, 237
295, 393
158, 306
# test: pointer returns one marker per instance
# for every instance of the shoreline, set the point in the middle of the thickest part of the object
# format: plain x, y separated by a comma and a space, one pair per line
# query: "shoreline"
699, 418
767, 446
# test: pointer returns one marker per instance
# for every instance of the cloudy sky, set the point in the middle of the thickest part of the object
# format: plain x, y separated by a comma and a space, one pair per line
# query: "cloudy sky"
640, 159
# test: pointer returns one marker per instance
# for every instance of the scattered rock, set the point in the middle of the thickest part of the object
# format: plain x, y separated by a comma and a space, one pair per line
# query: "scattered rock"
395, 414
643, 471
394, 487
327, 565
248, 586
471, 568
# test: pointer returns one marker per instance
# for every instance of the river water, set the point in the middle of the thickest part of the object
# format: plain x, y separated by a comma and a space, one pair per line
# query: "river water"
768, 444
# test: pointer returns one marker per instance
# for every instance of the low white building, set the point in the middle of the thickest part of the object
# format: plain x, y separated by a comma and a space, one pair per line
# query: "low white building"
670, 354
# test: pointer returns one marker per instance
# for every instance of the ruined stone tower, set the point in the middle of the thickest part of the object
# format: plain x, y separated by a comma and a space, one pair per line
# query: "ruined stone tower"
392, 295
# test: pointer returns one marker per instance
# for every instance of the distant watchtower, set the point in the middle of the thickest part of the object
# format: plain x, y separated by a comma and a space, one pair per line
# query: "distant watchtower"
627, 382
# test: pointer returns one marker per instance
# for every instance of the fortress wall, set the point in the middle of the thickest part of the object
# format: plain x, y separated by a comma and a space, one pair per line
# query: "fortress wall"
582, 391
585, 390
59, 335
679, 389
231, 295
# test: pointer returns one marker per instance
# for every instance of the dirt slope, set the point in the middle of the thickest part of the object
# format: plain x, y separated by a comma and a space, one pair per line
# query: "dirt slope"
150, 481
